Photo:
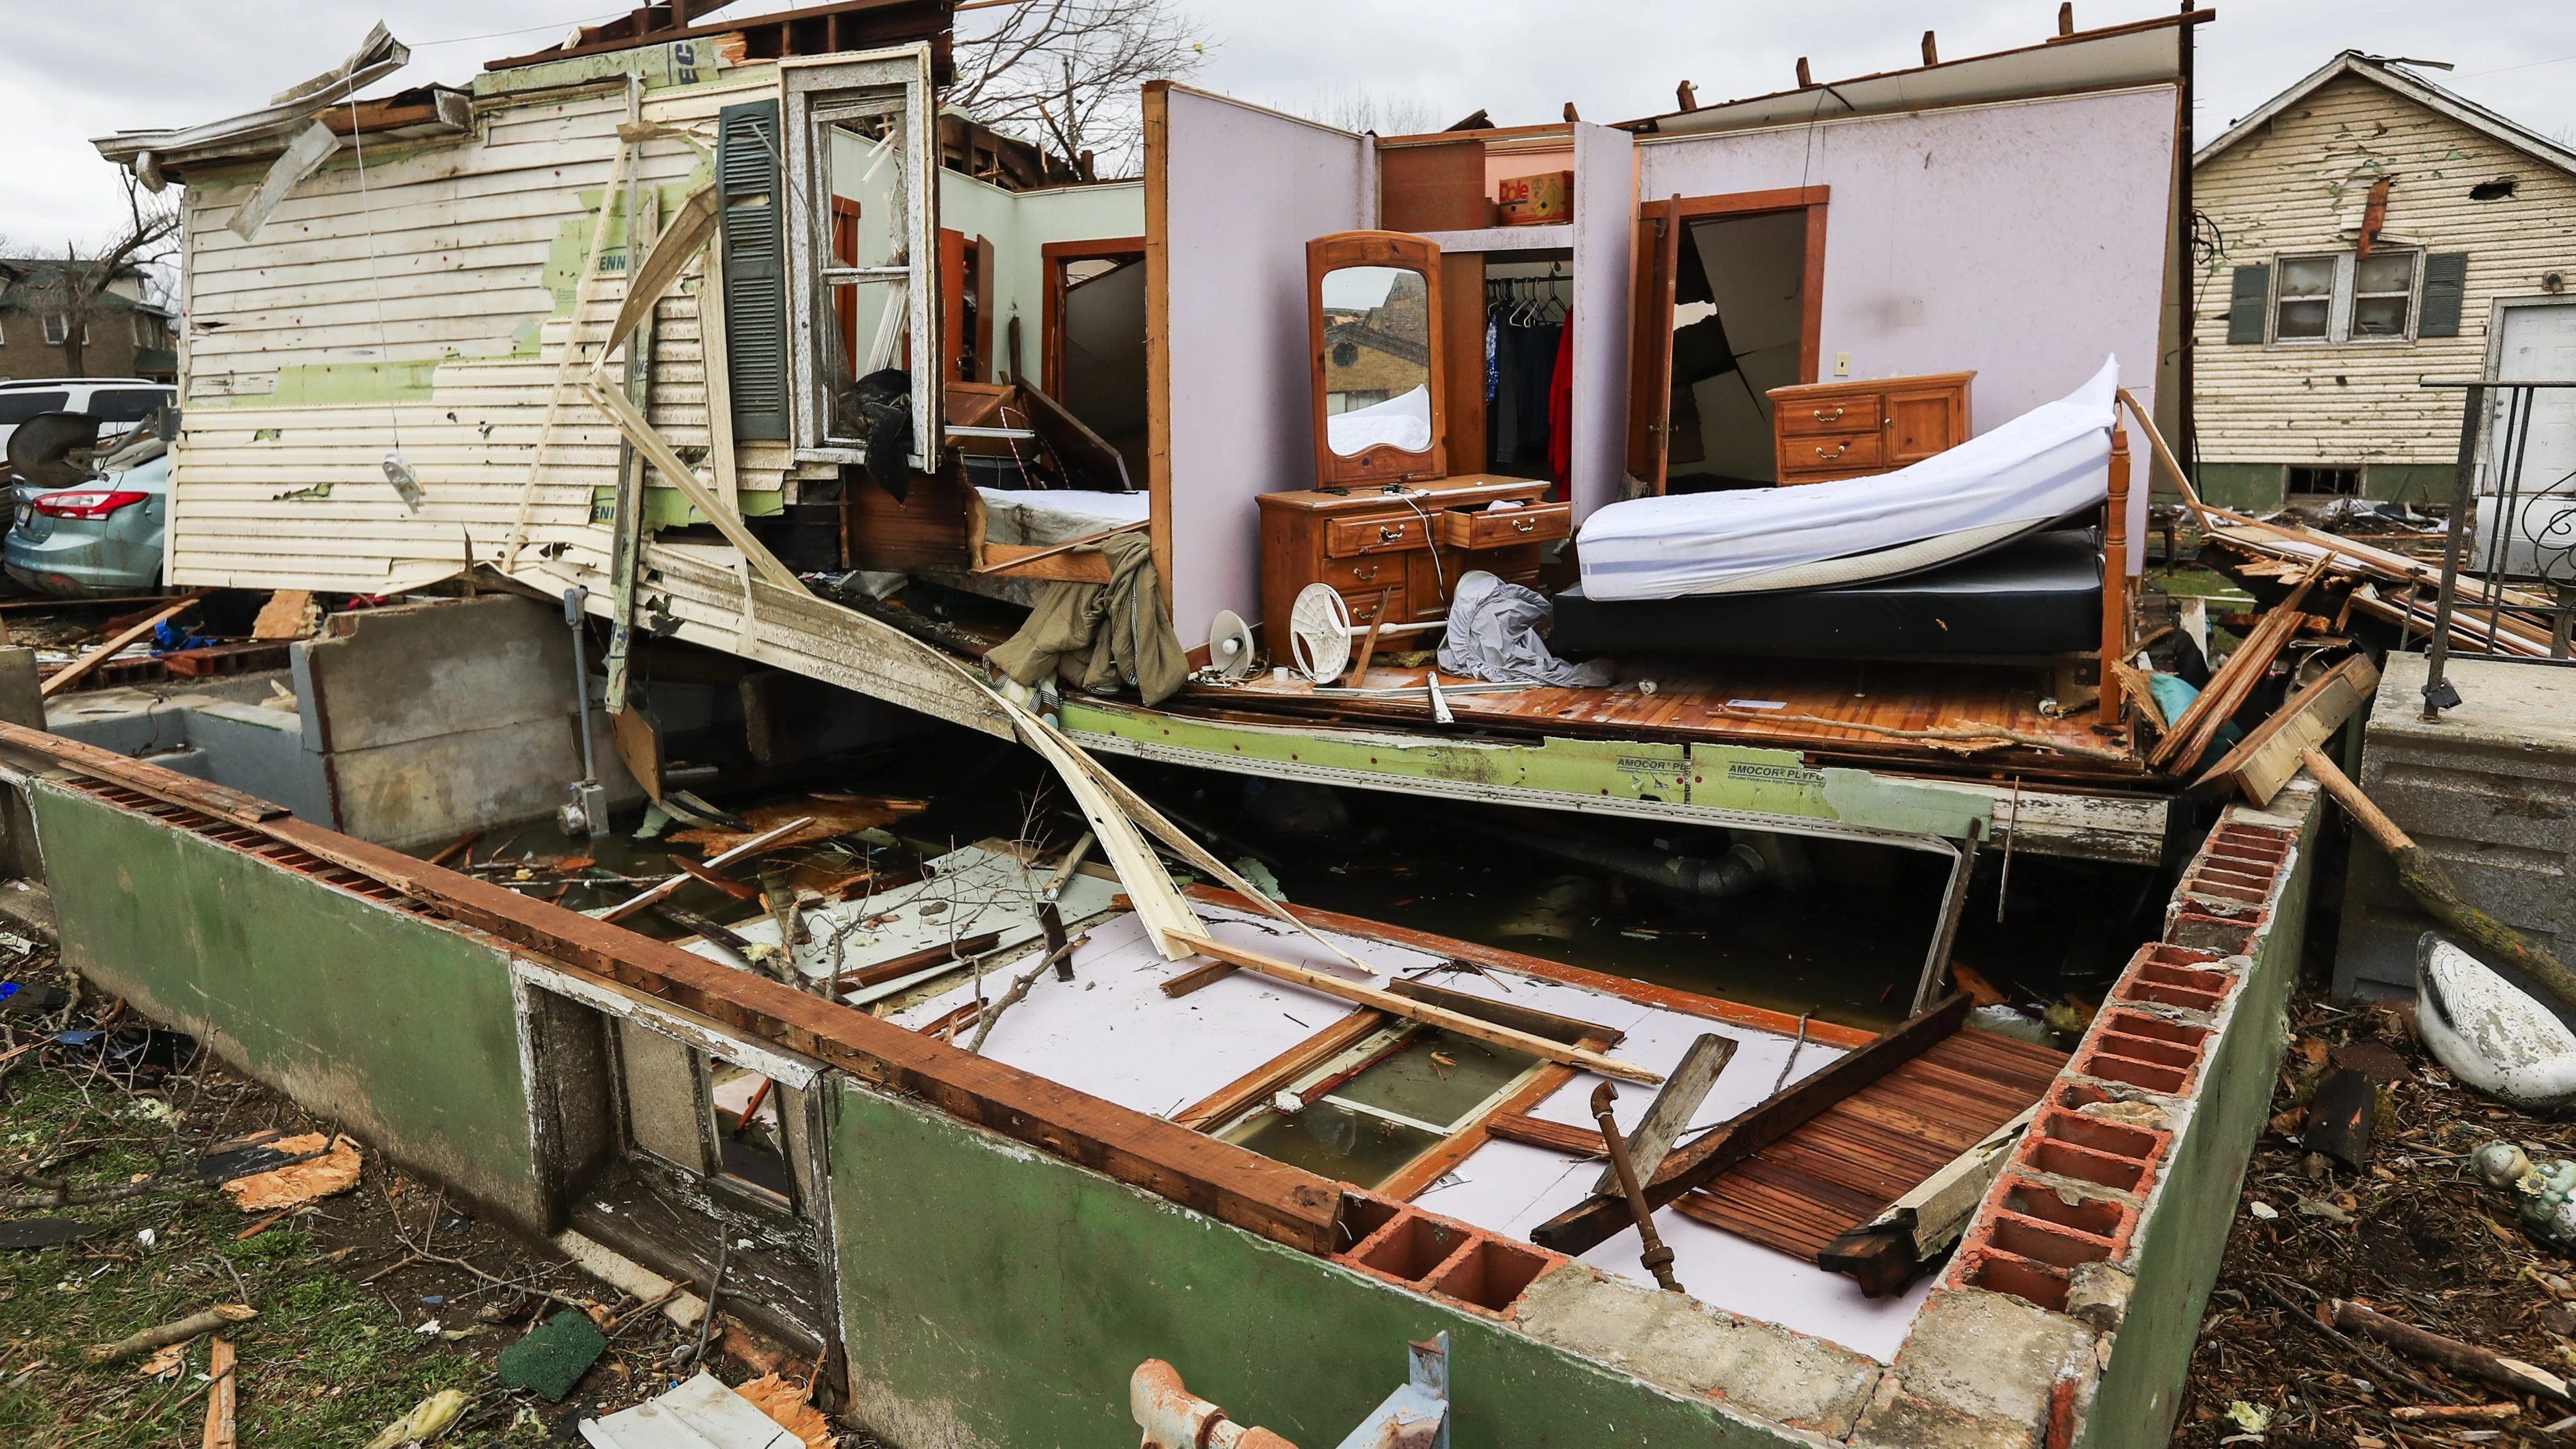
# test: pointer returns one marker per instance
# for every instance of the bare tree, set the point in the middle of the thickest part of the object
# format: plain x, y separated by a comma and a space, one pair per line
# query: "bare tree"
1065, 73
78, 294
1360, 110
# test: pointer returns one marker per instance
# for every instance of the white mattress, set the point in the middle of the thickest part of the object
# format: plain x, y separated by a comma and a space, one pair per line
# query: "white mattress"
2041, 466
1041, 516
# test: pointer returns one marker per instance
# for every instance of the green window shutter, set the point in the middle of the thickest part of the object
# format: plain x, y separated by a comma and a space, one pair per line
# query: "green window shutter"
755, 267
2446, 282
2246, 299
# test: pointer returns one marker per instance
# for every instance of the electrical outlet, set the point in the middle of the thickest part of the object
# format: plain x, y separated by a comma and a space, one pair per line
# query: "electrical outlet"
1842, 364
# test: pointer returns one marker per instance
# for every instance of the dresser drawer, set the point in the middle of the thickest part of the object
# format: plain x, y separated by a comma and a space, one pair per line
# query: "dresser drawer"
1345, 537
1829, 453
1357, 576
1529, 523
1827, 414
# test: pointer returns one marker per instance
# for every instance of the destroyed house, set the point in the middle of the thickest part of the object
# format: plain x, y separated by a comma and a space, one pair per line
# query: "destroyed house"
699, 320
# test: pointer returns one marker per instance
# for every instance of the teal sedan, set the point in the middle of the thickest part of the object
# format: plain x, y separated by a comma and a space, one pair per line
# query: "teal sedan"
98, 538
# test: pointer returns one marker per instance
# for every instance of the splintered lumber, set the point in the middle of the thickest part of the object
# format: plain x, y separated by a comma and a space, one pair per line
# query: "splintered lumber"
2236, 678
1601, 1216
2265, 760
2431, 886
74, 672
880, 972
220, 1398
2451, 1353
1562, 1137
1421, 1011
203, 1321
653, 894
1669, 1115
1265, 1080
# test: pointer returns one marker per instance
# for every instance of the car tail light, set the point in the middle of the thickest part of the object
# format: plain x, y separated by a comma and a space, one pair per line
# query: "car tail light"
87, 503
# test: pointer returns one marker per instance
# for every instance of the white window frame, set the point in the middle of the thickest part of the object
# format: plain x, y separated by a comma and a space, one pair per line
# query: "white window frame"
2339, 300
58, 328
810, 90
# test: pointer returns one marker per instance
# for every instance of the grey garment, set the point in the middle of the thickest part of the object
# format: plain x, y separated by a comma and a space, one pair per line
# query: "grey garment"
1095, 638
1493, 634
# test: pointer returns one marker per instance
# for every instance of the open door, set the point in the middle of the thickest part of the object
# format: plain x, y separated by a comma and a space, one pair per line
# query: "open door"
1650, 364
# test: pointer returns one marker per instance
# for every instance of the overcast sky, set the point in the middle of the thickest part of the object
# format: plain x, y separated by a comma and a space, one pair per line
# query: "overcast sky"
81, 70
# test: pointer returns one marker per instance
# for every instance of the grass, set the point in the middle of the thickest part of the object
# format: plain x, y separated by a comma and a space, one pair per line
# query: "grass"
329, 1360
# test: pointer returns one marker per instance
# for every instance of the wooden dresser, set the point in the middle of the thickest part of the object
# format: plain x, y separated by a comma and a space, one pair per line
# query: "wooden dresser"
1364, 541
1827, 430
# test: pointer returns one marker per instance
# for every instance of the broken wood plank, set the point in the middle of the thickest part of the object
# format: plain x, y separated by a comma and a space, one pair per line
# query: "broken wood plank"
1424, 1172
878, 973
169, 786
1268, 1079
1428, 1014
456, 847
2265, 760
74, 672
221, 1397
1562, 1137
652, 894
706, 930
1548, 1024
1669, 1115
726, 884
1600, 1217
2235, 679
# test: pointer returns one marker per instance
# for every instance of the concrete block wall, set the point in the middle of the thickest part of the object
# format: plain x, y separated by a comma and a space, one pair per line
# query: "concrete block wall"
2067, 1315
437, 718
2489, 790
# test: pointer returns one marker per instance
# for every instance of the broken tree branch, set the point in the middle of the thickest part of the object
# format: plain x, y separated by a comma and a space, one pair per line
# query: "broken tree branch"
1020, 988
203, 1321
2461, 1358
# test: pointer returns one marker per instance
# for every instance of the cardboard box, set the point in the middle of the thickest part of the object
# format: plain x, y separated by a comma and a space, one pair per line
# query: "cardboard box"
1535, 200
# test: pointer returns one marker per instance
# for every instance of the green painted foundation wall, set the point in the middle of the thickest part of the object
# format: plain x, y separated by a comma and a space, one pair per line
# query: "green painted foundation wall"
403, 1029
992, 1296
2184, 1235
2260, 487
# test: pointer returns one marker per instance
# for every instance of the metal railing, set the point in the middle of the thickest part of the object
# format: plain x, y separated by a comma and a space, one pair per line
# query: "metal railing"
2515, 431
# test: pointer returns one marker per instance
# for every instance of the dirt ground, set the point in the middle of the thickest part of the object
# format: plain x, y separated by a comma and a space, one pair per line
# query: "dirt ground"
368, 1302
2415, 1236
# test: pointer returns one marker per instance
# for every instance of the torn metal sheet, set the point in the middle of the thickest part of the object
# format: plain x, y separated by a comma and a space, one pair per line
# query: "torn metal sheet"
149, 153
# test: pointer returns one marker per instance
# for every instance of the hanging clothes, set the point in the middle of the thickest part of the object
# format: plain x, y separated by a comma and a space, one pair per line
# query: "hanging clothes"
1560, 418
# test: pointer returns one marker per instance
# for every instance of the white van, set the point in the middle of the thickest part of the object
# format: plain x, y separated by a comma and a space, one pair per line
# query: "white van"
117, 402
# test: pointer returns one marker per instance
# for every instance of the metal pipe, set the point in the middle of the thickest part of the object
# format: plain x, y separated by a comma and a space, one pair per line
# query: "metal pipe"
574, 598
2437, 650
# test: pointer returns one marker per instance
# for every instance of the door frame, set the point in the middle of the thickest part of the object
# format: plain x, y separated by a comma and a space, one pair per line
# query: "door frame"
1659, 231
2497, 312
1051, 259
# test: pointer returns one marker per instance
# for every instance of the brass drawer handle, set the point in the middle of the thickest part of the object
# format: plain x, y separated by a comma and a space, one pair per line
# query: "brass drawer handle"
1365, 575
1836, 453
1524, 525
1835, 416
1390, 532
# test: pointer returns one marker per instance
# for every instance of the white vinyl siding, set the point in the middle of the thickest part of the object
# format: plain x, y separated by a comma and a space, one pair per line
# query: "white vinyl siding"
2296, 188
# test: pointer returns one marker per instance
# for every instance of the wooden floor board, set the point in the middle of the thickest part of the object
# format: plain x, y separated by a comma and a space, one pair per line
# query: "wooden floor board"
1845, 1165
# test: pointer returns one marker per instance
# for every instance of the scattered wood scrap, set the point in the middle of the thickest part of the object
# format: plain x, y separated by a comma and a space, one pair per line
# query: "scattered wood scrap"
2227, 689
288, 614
195, 1325
2265, 760
824, 817
335, 1171
2451, 1353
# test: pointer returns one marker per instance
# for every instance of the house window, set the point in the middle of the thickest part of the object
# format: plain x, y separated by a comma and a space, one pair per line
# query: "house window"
57, 327
2343, 297
147, 330
2317, 482
862, 250
712, 1119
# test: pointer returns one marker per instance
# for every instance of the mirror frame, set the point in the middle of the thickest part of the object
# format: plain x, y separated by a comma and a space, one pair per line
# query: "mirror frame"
1382, 463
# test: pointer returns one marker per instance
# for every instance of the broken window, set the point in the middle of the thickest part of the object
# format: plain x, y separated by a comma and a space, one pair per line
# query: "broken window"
2324, 482
1365, 1115
712, 1118
2345, 297
861, 218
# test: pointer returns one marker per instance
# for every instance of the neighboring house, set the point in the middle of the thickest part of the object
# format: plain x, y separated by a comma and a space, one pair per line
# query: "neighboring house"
129, 334
2374, 229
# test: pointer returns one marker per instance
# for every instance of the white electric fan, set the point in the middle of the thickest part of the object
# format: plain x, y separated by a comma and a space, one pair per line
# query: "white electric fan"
1320, 633
1230, 645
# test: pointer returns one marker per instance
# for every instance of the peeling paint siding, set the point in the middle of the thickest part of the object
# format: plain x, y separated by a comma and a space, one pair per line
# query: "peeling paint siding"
2300, 186
426, 314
